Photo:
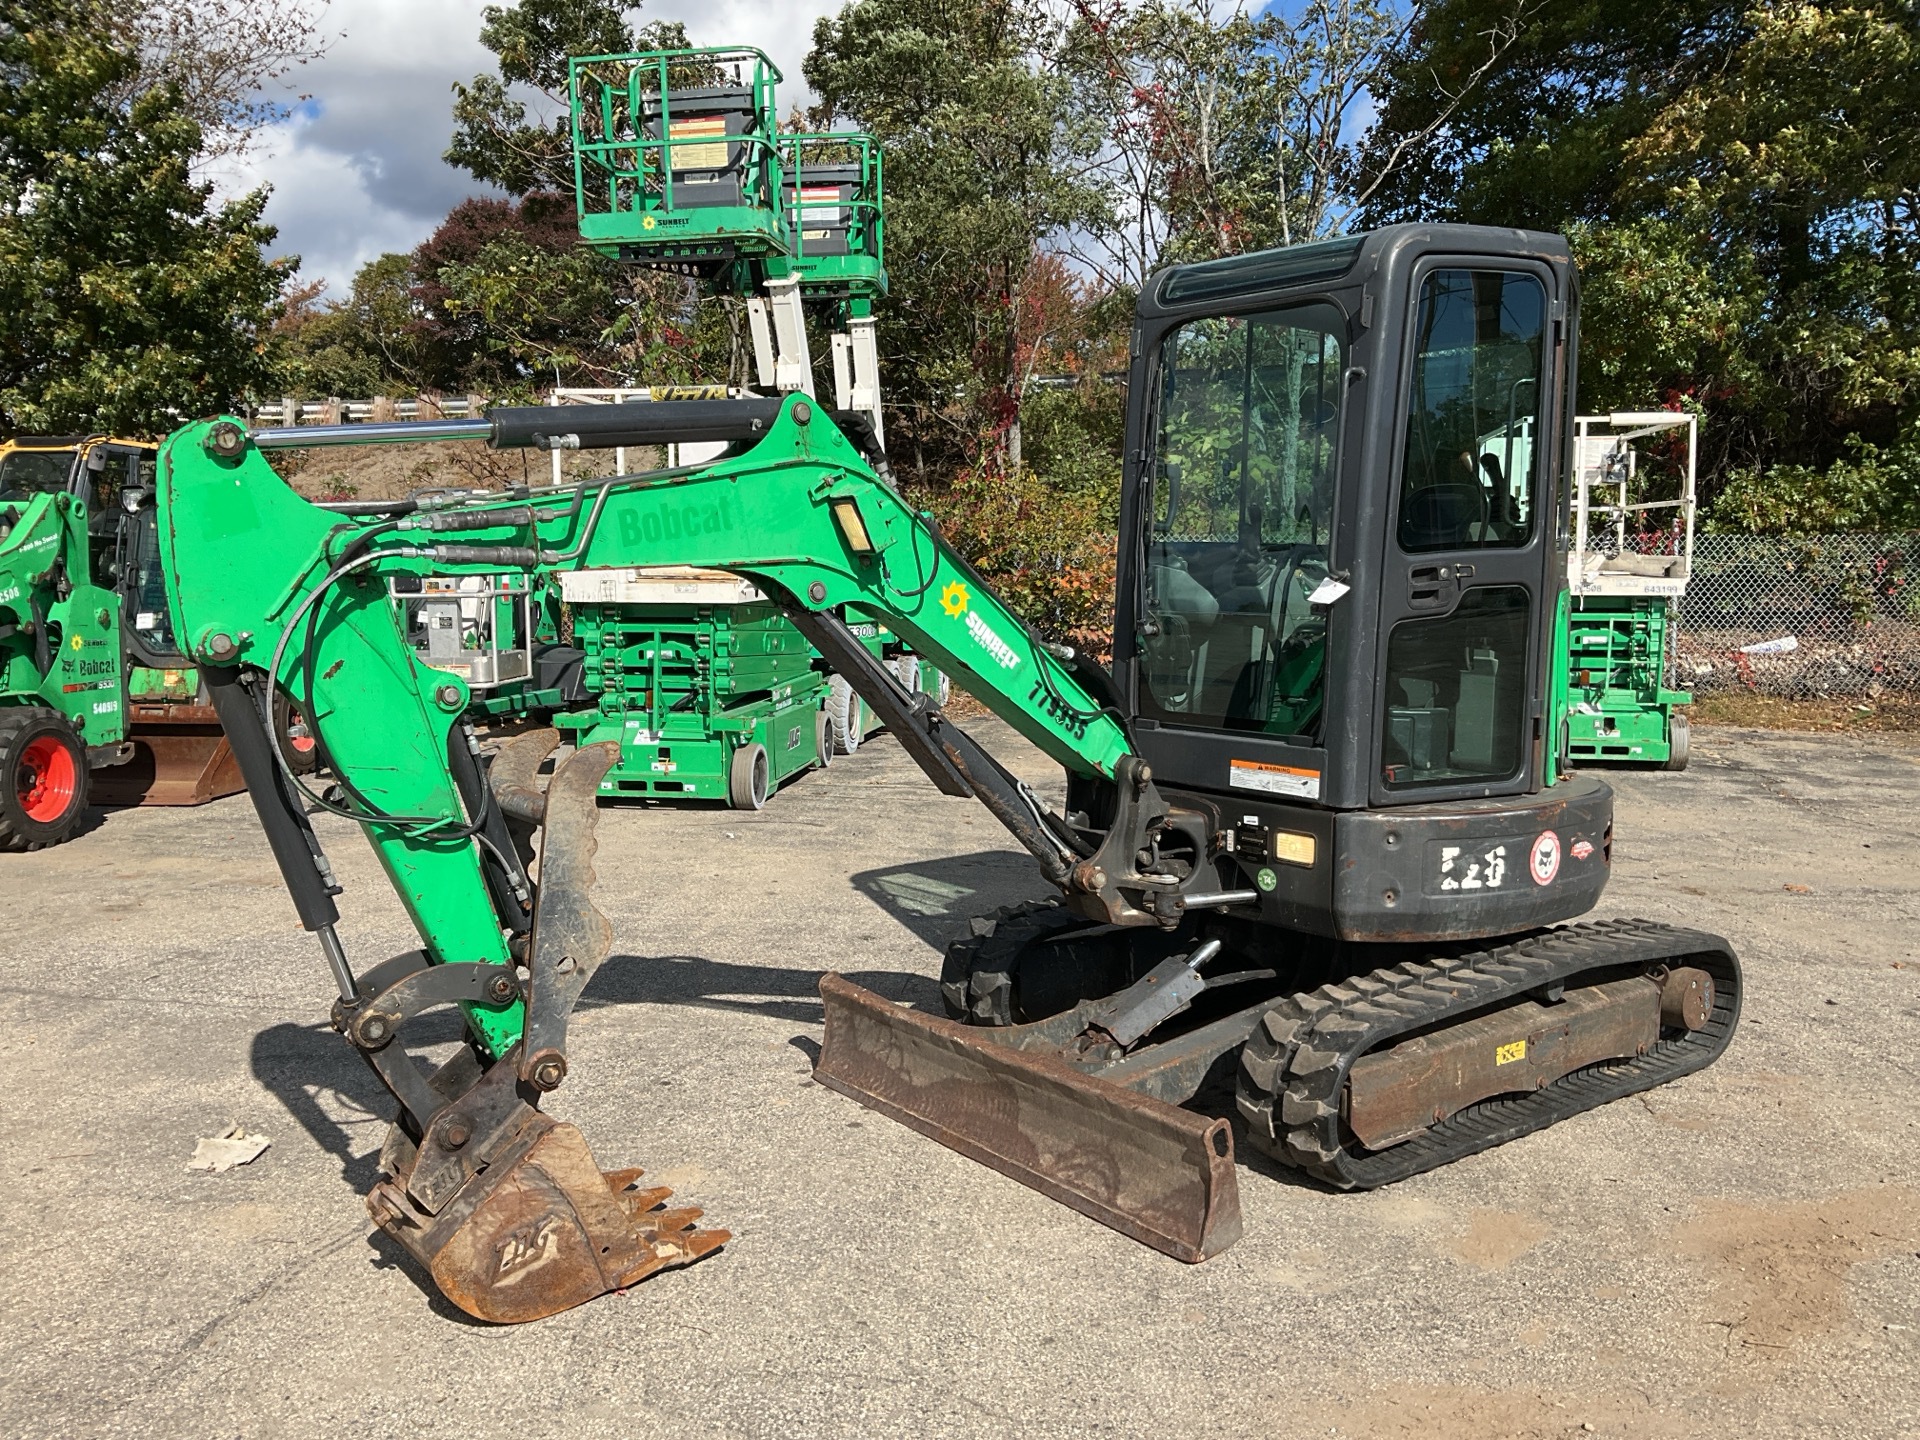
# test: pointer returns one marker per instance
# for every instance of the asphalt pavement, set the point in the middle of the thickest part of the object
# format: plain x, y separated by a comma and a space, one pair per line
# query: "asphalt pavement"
1736, 1254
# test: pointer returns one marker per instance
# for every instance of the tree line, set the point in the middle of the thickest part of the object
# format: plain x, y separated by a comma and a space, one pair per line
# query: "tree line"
1739, 182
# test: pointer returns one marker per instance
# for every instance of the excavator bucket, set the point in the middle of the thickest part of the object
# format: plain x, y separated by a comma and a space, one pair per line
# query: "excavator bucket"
1159, 1174
543, 1229
505, 1206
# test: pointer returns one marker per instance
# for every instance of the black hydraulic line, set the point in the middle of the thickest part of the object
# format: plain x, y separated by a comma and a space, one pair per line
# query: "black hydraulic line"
951, 758
857, 426
289, 834
42, 652
897, 710
536, 427
486, 816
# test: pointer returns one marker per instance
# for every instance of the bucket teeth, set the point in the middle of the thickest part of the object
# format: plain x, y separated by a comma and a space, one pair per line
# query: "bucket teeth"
667, 1222
543, 1230
638, 1202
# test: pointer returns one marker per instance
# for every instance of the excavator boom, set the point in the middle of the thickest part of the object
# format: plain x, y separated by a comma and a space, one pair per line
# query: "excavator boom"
273, 594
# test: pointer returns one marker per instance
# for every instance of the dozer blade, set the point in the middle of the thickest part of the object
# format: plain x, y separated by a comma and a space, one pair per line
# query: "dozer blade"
542, 1229
1159, 1174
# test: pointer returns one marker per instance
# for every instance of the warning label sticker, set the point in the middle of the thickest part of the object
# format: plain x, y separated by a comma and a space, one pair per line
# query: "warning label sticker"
1274, 779
821, 204
698, 157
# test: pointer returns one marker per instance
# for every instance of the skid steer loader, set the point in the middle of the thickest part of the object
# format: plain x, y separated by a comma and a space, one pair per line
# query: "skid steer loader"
1319, 842
96, 704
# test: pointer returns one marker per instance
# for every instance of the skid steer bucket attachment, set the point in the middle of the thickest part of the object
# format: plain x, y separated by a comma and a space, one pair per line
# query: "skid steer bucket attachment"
180, 757
1159, 1174
504, 1206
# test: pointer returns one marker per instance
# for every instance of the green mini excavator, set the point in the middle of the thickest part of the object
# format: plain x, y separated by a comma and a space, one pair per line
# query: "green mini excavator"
1319, 841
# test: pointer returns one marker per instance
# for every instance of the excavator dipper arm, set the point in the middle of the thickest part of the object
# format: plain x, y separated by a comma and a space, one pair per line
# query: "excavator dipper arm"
504, 1206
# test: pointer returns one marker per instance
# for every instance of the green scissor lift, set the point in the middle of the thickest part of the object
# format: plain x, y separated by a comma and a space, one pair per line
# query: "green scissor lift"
1622, 590
834, 195
676, 162
679, 163
710, 692
708, 689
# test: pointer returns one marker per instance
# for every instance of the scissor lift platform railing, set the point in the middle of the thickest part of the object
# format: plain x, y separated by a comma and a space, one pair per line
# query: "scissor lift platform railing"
834, 193
676, 160
1623, 578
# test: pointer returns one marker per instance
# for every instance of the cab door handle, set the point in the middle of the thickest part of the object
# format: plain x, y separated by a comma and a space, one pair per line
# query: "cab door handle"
1434, 587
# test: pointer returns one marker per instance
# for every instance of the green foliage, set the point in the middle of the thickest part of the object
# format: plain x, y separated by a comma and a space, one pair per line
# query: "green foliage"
1742, 184
1224, 133
1870, 489
127, 298
1048, 552
500, 300
983, 172
494, 138
365, 345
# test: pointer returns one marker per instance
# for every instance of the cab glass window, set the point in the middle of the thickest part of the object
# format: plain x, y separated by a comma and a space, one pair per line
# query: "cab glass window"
144, 586
1467, 482
1457, 692
26, 473
1243, 485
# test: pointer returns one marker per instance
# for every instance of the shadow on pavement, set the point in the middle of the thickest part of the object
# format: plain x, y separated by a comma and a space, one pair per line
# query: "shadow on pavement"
935, 898
301, 1063
770, 990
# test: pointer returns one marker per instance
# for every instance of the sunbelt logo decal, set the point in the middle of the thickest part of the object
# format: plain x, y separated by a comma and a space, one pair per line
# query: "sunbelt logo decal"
956, 602
990, 642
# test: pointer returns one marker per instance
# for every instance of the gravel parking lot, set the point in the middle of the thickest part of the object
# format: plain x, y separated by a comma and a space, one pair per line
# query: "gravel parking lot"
1734, 1254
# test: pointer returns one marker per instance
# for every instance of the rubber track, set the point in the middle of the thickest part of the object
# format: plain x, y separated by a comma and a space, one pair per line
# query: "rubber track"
1294, 1066
976, 979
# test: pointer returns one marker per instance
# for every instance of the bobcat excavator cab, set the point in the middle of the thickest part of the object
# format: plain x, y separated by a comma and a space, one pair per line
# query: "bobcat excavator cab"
1317, 836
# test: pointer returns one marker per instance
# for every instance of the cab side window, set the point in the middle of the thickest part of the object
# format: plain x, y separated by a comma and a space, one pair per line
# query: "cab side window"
1243, 495
1467, 477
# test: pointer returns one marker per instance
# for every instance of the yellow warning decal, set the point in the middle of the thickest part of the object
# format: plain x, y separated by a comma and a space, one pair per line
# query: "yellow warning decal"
698, 157
1507, 1054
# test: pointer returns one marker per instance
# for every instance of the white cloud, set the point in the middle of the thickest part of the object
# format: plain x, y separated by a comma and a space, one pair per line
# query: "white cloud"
358, 172
782, 28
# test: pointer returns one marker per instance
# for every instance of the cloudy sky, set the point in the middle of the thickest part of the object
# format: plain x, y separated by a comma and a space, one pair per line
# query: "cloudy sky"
358, 170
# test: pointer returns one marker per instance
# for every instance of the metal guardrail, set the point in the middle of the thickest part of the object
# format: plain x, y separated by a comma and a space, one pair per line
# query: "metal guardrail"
380, 409
1809, 617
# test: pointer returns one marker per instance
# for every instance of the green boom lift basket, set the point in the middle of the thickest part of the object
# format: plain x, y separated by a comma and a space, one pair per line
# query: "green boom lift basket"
832, 188
675, 160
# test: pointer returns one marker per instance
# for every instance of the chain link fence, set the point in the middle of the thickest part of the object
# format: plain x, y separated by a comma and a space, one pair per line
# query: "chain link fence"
1813, 617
